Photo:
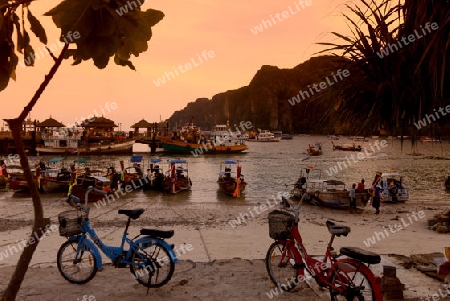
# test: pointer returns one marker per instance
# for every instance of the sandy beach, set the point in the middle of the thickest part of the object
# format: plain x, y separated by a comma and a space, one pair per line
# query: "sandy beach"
224, 261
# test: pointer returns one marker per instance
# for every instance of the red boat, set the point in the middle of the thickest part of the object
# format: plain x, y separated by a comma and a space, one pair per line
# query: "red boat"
83, 182
232, 186
315, 150
178, 179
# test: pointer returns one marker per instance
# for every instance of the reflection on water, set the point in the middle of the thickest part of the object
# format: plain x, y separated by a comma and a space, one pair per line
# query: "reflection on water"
270, 168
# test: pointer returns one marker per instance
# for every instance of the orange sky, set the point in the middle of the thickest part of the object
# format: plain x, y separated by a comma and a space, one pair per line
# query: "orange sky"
188, 28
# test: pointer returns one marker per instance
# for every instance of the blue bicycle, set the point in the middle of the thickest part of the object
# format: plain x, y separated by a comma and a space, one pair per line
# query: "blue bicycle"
151, 259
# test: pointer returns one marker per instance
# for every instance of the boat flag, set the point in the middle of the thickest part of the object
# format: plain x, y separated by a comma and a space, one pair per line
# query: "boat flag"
238, 181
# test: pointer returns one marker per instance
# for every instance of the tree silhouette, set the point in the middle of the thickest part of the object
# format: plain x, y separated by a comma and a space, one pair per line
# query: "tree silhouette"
100, 29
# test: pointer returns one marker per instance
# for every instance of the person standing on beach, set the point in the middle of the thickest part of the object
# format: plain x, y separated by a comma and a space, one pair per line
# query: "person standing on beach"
376, 199
352, 196
376, 196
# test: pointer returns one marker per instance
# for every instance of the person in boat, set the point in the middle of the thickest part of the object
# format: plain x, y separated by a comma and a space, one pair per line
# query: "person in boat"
227, 173
352, 195
138, 169
180, 172
393, 191
361, 186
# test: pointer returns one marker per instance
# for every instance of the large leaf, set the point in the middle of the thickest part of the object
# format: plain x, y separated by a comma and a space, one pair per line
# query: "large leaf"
103, 31
37, 28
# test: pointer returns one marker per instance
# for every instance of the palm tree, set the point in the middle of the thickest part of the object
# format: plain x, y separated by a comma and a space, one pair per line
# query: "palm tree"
395, 87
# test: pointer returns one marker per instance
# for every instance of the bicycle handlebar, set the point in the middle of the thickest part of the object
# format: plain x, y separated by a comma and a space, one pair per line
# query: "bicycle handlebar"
289, 206
75, 201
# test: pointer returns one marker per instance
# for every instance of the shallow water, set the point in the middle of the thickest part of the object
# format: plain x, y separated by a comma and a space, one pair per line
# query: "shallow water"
270, 168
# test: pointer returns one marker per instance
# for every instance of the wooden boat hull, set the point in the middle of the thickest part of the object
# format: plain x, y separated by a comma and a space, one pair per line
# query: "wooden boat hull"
153, 182
275, 139
176, 186
94, 149
229, 186
125, 147
80, 192
53, 185
335, 199
346, 148
176, 146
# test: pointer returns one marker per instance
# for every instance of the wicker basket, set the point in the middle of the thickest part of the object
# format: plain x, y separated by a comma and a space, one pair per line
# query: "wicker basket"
71, 222
280, 224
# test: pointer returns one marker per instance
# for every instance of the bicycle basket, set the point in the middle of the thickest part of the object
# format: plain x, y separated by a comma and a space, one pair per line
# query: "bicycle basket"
71, 222
280, 224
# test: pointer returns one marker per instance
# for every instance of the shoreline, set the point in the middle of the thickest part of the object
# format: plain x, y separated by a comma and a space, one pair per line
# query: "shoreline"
206, 227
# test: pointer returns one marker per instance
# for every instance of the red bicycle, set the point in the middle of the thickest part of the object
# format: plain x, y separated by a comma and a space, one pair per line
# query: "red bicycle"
347, 278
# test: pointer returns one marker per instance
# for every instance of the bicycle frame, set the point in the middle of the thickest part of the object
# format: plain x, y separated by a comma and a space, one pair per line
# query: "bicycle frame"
324, 270
90, 244
113, 253
321, 270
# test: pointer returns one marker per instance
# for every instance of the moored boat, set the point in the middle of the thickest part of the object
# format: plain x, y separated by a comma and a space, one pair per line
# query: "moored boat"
392, 188
177, 179
84, 181
329, 193
133, 174
67, 142
190, 140
347, 147
314, 150
429, 140
229, 184
155, 177
332, 193
265, 136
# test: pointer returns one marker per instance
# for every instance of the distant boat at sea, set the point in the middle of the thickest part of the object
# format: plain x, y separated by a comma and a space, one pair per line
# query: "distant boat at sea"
265, 136
283, 136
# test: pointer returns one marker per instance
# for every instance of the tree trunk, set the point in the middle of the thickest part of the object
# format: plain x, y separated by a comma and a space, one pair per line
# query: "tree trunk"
39, 221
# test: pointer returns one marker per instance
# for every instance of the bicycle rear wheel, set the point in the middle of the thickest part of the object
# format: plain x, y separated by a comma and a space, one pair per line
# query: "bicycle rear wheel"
151, 264
279, 265
358, 285
80, 270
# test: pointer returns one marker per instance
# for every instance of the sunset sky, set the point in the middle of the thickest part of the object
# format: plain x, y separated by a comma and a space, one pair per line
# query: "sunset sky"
222, 29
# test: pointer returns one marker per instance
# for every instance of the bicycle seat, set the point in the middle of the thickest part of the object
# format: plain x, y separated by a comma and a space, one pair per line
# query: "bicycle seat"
361, 255
337, 230
134, 214
157, 233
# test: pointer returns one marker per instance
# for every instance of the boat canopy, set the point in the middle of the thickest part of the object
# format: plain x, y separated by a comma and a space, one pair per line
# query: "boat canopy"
136, 159
174, 161
55, 160
155, 160
229, 162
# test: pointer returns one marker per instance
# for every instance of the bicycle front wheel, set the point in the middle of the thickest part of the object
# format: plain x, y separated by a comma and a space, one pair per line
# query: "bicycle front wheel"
76, 269
280, 266
358, 285
151, 264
